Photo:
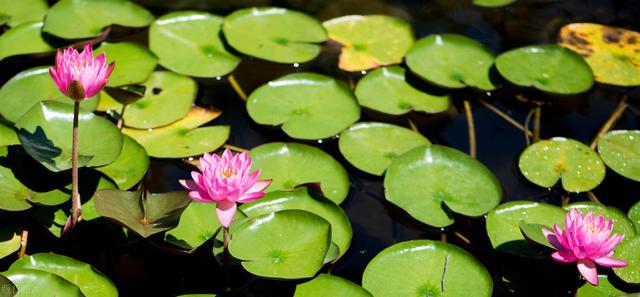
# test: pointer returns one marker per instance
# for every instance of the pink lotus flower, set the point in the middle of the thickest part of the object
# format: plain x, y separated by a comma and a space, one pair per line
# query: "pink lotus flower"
587, 241
80, 75
225, 180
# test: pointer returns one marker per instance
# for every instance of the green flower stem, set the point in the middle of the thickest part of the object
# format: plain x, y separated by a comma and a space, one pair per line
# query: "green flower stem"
236, 87
536, 123
615, 116
226, 237
472, 129
23, 242
75, 194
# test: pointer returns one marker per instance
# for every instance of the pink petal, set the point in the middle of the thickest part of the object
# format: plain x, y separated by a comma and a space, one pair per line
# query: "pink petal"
588, 269
610, 262
564, 256
260, 186
226, 210
248, 197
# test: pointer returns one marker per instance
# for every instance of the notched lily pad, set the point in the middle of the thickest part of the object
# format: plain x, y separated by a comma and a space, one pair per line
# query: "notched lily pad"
130, 167
634, 215
23, 11
198, 223
134, 62
25, 38
327, 285
620, 150
603, 289
10, 241
31, 282
629, 251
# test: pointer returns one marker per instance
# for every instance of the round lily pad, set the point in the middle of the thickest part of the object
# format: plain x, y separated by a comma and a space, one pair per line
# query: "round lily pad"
184, 138
39, 283
386, 90
23, 11
621, 225
493, 3
134, 62
307, 105
29, 87
634, 215
327, 285
503, 225
451, 61
287, 244
603, 289
76, 19
190, 43
371, 146
10, 240
629, 251
550, 68
430, 182
426, 268
611, 52
130, 167
370, 41
8, 136
23, 39
18, 197
274, 34
293, 164
198, 223
547, 161
620, 150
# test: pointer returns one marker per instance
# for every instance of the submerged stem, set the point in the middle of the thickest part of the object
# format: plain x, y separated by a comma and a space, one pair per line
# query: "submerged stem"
593, 197
472, 129
23, 242
75, 193
120, 124
235, 148
526, 127
506, 117
236, 87
536, 123
615, 116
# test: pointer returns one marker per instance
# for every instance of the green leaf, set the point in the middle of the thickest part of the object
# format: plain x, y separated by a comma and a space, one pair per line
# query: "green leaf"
621, 225
190, 43
10, 242
327, 285
23, 11
76, 19
23, 39
7, 288
629, 251
634, 215
130, 167
550, 68
288, 244
603, 289
198, 223
134, 62
91, 282
493, 3
533, 232
386, 90
426, 268
274, 34
620, 150
370, 41
8, 136
39, 283
307, 105
430, 182
451, 61
290, 165
372, 146
547, 161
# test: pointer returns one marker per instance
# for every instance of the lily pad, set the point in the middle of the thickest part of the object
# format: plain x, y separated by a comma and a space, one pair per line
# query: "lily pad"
533, 233
603, 289
547, 161
493, 3
620, 150
130, 167
190, 43
426, 268
29, 87
8, 288
621, 225
327, 285
134, 62
634, 215
290, 165
430, 182
274, 34
386, 90
288, 244
503, 225
8, 136
45, 134
451, 61
550, 68
91, 282
76, 19
611, 52
370, 41
23, 11
39, 283
307, 200
10, 242
307, 105
198, 223
629, 251
144, 213
25, 38
183, 138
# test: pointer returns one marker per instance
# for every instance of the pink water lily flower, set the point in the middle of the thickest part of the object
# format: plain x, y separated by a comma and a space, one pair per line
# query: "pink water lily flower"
586, 240
225, 180
80, 75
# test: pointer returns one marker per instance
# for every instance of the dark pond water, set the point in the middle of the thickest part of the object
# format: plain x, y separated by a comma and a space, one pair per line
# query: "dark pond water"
144, 268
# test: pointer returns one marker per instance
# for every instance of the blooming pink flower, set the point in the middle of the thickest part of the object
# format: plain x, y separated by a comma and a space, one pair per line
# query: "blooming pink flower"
587, 241
225, 180
89, 74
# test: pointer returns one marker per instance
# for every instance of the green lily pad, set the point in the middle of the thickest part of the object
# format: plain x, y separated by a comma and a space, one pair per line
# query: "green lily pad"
370, 41
130, 167
307, 105
307, 200
76, 19
198, 223
45, 134
503, 225
451, 61
198, 295
144, 213
23, 11
218, 241
8, 288
25, 38
39, 283
327, 285
634, 215
603, 289
91, 282
274, 34
493, 3
371, 146
10, 241
629, 251
430, 182
288, 244
550, 68
386, 90
134, 62
533, 233
183, 138
29, 87
620, 150
190, 43
621, 225
8, 136
426, 268
293, 164
547, 161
